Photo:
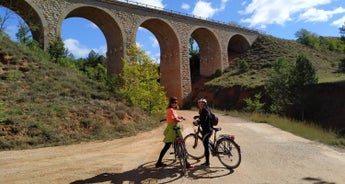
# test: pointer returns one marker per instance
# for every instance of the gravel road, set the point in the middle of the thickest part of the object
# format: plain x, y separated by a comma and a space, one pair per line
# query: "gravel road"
269, 155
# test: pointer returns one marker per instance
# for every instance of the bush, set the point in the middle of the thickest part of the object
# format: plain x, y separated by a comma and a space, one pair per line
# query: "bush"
244, 66
254, 105
342, 66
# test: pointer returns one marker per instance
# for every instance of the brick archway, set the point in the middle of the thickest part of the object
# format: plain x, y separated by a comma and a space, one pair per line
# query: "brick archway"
170, 59
237, 45
210, 51
33, 17
109, 27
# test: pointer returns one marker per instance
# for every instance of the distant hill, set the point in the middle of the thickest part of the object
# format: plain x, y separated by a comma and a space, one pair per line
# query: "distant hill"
267, 49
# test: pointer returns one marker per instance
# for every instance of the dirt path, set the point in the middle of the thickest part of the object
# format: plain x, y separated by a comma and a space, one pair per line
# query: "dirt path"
269, 155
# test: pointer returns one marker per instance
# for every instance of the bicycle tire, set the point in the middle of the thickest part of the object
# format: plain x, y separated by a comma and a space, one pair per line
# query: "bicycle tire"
194, 146
182, 156
228, 153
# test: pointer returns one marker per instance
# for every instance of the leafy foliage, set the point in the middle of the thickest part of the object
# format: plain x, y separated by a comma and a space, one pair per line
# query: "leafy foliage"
286, 85
318, 42
277, 85
139, 82
57, 50
342, 66
254, 105
342, 32
23, 35
244, 66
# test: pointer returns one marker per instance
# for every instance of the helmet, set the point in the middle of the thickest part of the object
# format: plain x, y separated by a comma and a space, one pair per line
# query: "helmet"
173, 99
203, 100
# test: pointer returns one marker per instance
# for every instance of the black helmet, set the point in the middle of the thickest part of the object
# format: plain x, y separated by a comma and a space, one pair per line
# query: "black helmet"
173, 99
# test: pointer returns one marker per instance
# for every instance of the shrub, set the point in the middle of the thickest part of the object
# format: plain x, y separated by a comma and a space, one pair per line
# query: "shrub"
244, 66
342, 66
254, 105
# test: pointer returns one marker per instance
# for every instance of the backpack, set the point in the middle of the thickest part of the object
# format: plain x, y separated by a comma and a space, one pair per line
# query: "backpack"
213, 119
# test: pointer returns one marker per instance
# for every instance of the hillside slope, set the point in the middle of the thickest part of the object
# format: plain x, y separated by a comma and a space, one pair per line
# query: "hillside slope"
42, 103
265, 50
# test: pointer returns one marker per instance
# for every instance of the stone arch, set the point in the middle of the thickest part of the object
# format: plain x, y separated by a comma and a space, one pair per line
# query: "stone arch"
33, 17
170, 59
238, 44
210, 51
111, 30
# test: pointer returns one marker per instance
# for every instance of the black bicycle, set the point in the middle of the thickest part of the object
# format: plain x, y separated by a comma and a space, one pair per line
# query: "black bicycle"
180, 151
224, 146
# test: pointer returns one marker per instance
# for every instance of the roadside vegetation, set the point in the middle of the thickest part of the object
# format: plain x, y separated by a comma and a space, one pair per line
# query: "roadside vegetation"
304, 129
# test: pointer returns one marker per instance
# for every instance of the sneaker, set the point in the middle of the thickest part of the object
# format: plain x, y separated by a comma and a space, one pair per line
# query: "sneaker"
160, 164
205, 164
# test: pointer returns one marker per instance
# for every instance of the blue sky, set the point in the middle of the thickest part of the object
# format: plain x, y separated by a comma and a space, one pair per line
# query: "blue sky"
279, 18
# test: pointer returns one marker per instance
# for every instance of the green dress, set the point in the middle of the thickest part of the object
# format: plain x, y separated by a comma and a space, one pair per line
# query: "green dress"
170, 133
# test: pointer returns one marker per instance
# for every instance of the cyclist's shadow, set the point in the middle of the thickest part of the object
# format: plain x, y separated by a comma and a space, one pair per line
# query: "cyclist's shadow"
145, 173
201, 172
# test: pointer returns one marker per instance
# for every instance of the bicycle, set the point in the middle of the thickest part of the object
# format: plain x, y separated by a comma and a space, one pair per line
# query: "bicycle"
180, 151
223, 146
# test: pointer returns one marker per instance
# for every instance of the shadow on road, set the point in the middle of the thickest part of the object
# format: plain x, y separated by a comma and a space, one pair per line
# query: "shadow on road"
317, 180
147, 173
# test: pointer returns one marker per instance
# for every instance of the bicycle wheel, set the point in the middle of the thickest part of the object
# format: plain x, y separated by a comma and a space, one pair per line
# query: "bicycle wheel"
182, 156
194, 146
228, 153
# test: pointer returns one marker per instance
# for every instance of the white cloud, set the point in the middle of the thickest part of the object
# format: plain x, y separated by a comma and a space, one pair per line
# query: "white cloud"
265, 12
185, 6
93, 26
204, 9
140, 45
154, 42
154, 3
339, 22
317, 15
80, 51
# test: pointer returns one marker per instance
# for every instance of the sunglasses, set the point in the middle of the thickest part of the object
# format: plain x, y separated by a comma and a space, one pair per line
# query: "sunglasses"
174, 102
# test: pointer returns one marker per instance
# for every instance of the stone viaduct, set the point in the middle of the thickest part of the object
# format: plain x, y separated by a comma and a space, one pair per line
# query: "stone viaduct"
119, 22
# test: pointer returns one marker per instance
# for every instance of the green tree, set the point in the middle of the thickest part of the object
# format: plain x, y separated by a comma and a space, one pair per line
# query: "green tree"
194, 58
287, 85
342, 65
23, 34
302, 76
277, 86
342, 32
254, 105
307, 38
244, 66
57, 50
139, 82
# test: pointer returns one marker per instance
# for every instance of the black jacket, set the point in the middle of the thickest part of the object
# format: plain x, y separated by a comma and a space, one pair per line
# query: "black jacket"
205, 121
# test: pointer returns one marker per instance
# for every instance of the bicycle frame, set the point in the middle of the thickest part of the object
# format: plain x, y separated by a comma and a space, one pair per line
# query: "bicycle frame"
223, 146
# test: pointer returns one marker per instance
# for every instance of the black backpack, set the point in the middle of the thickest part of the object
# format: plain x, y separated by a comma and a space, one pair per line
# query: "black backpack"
213, 118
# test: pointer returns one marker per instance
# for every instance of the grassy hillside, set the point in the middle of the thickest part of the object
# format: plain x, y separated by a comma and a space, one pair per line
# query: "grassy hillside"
267, 49
44, 104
